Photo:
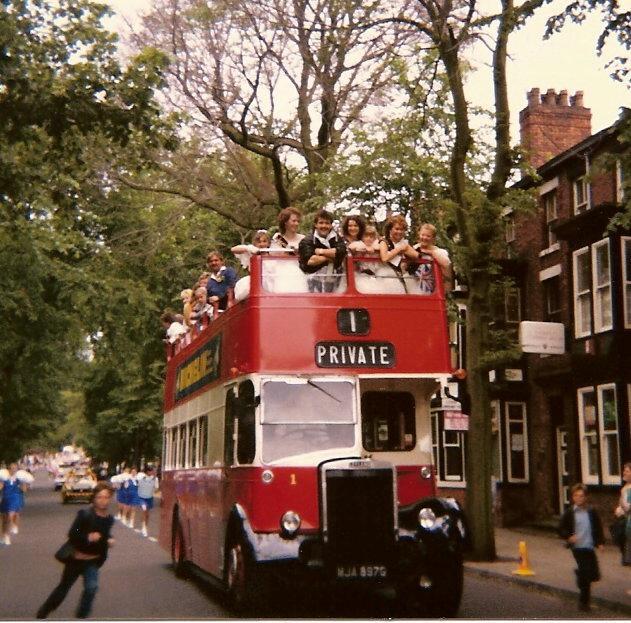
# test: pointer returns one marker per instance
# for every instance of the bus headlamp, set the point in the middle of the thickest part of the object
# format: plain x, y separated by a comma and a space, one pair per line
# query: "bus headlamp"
426, 518
290, 522
426, 472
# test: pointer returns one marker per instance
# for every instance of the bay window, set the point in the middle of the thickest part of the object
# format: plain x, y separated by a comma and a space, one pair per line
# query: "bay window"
598, 429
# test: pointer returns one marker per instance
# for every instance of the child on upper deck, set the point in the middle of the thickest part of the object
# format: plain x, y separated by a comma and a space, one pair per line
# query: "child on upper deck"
244, 252
427, 249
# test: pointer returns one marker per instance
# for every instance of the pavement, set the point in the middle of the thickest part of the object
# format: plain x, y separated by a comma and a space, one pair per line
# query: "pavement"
553, 567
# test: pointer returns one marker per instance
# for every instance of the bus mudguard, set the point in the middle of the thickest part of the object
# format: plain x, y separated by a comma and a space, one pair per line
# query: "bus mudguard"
265, 547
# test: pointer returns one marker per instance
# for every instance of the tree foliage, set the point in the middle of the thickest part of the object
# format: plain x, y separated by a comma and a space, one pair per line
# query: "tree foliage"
63, 94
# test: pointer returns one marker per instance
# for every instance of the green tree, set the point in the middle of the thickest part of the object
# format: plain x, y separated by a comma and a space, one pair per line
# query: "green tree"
63, 94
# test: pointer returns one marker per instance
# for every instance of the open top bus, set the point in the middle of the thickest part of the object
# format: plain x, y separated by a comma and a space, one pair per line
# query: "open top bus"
297, 438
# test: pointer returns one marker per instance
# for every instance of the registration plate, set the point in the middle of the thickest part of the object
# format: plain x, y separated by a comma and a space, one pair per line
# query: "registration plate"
360, 572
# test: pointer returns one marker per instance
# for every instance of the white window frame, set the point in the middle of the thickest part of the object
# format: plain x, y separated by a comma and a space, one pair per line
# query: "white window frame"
584, 441
605, 474
625, 251
439, 454
460, 478
579, 295
496, 413
551, 213
582, 183
508, 420
599, 290
516, 292
609, 476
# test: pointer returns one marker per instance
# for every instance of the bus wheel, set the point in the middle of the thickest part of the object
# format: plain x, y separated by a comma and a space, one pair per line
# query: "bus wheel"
178, 555
241, 576
436, 594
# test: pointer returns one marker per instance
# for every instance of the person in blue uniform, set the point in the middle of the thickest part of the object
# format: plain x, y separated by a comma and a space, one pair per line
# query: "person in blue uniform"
90, 536
132, 501
12, 490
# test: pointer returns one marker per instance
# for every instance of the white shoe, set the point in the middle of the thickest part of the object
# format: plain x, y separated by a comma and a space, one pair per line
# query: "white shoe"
14, 530
144, 531
7, 539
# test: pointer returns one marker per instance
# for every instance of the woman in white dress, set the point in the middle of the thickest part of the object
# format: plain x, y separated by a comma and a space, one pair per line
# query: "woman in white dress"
285, 275
395, 250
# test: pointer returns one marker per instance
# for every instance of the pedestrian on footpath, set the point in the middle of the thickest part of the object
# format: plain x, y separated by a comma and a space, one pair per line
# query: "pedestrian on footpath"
90, 536
147, 486
12, 489
581, 527
624, 510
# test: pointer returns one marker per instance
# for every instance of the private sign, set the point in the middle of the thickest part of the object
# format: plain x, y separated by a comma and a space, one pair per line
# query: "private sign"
354, 355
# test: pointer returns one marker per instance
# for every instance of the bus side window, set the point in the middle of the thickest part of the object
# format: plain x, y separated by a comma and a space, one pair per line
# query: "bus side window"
388, 421
246, 445
231, 411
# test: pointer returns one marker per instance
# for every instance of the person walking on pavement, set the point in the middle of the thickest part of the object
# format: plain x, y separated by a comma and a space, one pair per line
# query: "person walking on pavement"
581, 527
624, 510
147, 486
90, 535
12, 489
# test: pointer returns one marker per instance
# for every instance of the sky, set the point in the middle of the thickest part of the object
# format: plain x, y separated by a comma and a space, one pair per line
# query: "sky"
566, 61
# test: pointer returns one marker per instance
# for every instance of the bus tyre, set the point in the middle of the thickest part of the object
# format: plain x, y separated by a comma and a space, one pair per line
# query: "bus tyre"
178, 554
436, 594
242, 579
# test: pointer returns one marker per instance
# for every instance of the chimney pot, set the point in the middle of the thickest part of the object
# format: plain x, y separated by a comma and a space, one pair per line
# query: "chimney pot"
550, 97
534, 97
562, 99
578, 99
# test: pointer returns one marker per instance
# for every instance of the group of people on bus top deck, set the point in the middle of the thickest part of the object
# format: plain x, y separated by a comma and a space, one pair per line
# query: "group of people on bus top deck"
393, 265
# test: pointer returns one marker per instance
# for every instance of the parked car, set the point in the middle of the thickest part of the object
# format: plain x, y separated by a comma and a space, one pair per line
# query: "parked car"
78, 485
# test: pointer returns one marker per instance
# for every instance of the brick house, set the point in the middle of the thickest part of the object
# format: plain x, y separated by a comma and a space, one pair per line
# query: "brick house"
561, 419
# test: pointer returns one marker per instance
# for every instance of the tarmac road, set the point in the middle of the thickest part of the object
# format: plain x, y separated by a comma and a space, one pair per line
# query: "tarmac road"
137, 582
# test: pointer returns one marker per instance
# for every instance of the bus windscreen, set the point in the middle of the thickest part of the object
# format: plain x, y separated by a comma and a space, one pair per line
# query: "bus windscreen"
306, 416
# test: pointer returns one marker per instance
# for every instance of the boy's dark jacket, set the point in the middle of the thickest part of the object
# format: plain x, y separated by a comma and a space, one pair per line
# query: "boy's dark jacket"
307, 248
566, 525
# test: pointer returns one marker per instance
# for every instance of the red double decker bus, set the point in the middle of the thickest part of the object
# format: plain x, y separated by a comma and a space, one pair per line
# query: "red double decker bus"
297, 437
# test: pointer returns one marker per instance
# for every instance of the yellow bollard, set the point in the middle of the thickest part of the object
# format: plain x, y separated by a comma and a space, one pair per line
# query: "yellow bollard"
524, 566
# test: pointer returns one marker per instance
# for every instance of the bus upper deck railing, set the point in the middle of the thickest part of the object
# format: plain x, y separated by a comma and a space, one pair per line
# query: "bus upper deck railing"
275, 274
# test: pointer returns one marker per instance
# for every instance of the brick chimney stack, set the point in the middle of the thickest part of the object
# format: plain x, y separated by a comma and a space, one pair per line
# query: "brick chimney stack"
550, 124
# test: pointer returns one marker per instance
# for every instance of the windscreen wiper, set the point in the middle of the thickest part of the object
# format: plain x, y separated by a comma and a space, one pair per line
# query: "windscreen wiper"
329, 394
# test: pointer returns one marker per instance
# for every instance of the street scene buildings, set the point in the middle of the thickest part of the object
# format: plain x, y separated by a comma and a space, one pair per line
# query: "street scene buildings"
562, 418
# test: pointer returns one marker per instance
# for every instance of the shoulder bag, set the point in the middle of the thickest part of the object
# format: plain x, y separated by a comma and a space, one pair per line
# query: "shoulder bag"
65, 553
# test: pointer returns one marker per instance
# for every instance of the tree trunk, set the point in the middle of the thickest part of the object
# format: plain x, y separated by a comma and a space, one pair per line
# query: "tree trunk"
479, 460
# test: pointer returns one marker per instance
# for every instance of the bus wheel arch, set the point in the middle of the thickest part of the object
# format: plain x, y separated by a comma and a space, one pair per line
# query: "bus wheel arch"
242, 575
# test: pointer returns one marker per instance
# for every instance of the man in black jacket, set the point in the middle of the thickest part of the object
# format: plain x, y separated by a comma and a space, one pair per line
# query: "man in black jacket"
580, 526
322, 254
